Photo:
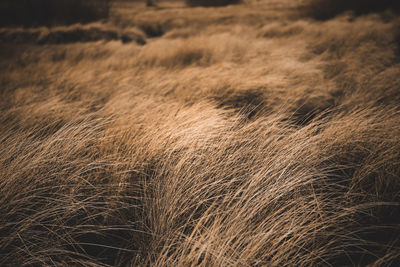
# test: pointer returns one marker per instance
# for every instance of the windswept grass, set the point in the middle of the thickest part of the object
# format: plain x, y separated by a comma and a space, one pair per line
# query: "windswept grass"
200, 51
251, 138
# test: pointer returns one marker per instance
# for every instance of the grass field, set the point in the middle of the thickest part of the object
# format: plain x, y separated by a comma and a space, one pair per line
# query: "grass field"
256, 134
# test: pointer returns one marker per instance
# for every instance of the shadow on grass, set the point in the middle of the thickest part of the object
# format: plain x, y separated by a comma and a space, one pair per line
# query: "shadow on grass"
327, 9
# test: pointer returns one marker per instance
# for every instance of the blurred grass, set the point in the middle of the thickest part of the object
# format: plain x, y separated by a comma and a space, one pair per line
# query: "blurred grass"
326, 9
212, 2
50, 12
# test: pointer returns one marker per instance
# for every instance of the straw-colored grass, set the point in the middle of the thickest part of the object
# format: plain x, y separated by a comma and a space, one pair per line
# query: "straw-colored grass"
243, 136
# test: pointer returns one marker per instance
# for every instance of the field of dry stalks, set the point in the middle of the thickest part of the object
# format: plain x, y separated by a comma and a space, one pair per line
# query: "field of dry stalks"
245, 135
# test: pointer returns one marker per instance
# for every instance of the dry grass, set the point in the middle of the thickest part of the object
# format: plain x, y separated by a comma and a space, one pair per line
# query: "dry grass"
71, 34
242, 136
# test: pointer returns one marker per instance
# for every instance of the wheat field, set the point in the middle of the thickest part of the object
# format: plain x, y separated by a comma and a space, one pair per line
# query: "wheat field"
254, 134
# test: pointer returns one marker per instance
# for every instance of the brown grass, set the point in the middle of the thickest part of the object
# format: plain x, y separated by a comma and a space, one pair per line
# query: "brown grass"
71, 34
243, 136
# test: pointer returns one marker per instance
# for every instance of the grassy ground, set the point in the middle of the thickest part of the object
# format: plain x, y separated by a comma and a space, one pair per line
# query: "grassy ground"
243, 135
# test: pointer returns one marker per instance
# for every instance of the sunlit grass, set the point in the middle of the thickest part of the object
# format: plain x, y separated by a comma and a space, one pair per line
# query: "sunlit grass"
236, 136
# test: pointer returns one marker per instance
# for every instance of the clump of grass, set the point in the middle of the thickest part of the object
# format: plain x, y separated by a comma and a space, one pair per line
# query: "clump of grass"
200, 51
48, 12
71, 34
